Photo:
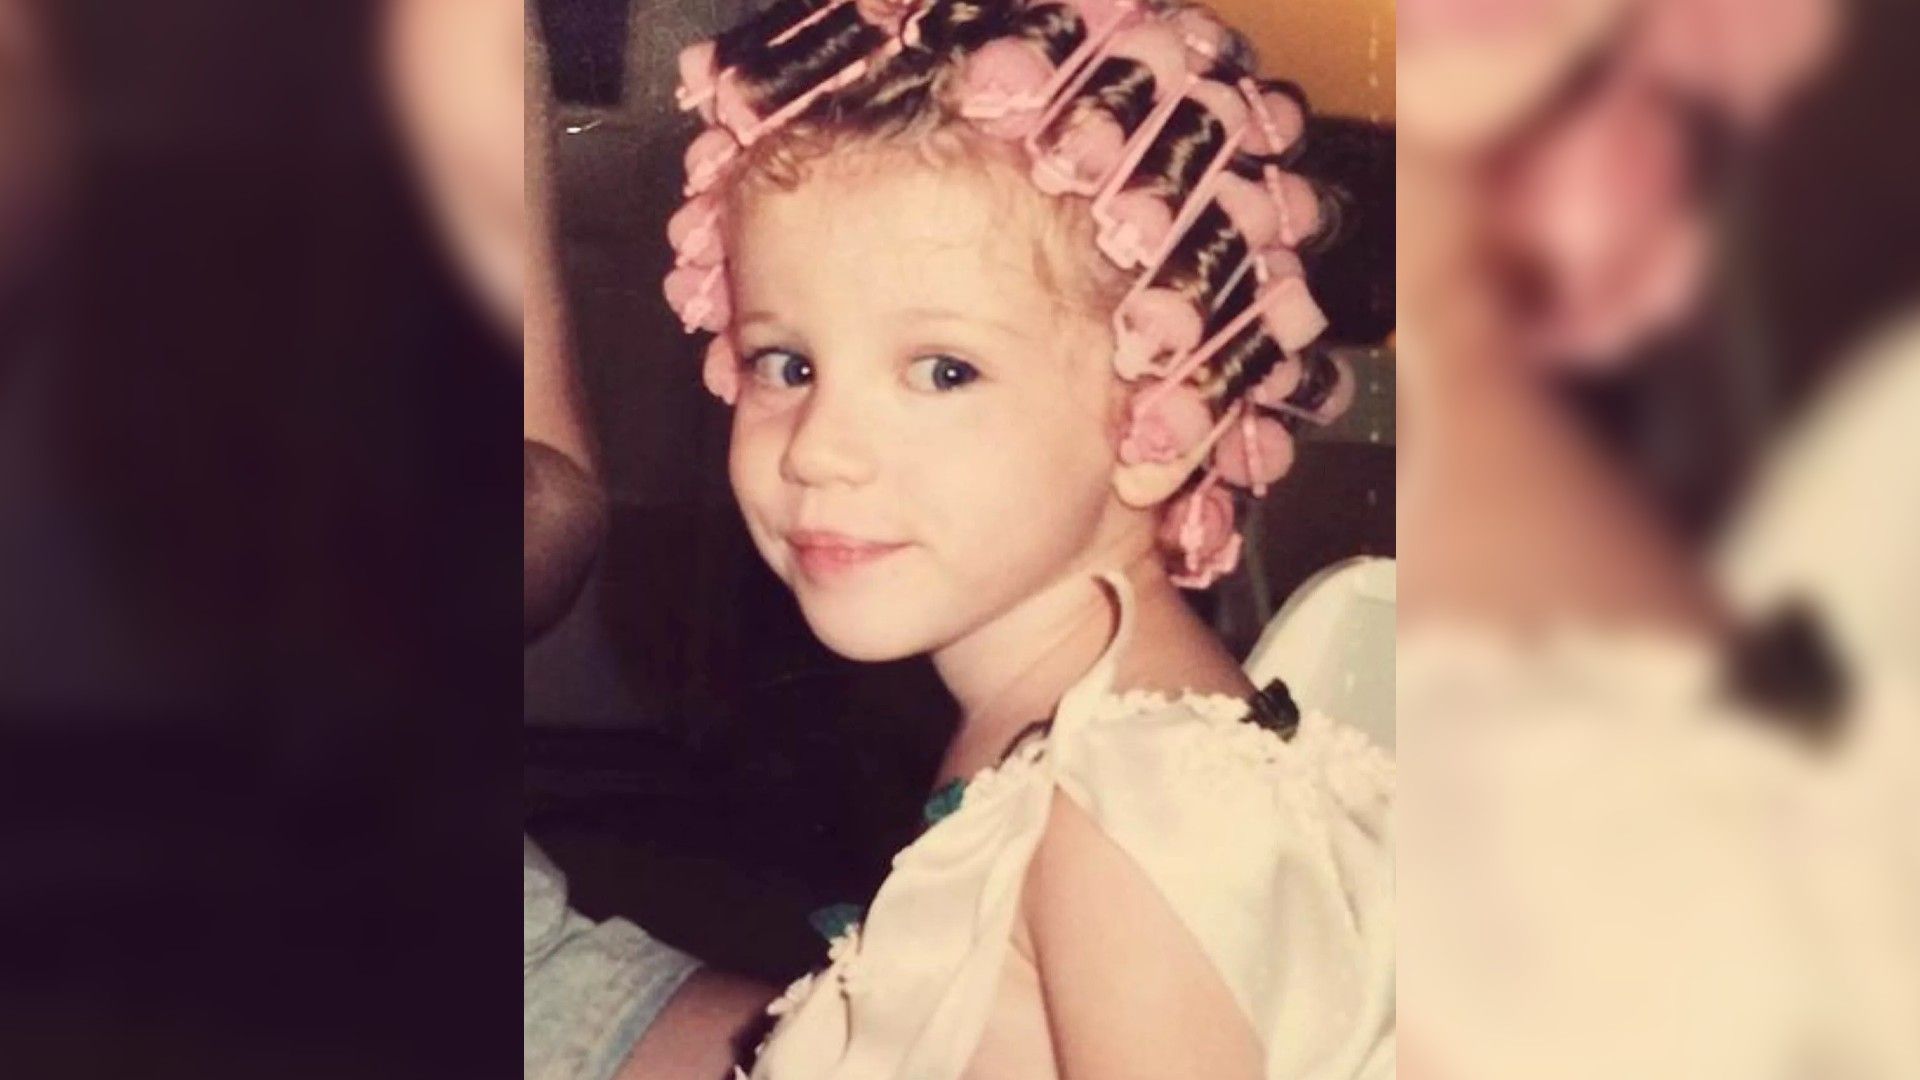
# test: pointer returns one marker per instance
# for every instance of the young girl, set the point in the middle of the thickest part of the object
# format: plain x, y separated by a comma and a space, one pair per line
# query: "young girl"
1006, 300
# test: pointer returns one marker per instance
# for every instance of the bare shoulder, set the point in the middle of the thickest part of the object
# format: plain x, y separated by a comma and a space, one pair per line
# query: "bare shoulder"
1128, 989
1174, 651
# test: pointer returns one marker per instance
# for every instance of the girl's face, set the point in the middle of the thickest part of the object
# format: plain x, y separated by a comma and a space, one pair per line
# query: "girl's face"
924, 435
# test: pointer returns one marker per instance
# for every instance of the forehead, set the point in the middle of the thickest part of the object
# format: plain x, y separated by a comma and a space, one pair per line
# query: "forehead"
885, 229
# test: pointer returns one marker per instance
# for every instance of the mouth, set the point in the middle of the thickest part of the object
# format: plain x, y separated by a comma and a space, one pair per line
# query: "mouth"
826, 556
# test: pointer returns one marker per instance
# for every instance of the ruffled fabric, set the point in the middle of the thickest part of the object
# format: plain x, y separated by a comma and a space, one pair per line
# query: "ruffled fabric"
1275, 853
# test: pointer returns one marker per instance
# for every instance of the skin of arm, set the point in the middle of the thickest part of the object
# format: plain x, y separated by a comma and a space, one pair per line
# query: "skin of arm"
699, 1035
563, 520
1128, 991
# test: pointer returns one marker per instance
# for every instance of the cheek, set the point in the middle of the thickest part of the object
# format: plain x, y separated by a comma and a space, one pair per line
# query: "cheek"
1041, 475
754, 450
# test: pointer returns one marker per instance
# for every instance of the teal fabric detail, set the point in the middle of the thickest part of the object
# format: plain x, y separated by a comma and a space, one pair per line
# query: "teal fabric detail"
944, 801
835, 920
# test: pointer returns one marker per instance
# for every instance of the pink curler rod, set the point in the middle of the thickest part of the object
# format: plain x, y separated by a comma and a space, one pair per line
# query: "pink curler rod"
812, 19
1250, 442
1203, 450
1290, 232
702, 176
689, 101
702, 301
1257, 106
1190, 577
1250, 263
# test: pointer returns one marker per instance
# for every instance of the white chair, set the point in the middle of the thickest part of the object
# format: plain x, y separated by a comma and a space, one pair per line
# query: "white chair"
1332, 644
1835, 519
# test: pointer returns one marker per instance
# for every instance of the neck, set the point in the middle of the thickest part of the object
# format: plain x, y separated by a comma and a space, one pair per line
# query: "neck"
1014, 670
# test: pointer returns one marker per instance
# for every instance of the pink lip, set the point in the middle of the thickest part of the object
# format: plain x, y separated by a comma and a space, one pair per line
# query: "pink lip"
823, 555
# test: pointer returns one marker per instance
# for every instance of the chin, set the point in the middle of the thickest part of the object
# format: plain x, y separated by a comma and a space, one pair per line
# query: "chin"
862, 634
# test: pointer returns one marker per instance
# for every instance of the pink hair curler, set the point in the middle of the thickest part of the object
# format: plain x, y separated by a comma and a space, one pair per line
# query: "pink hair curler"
1290, 314
1007, 93
1299, 204
1201, 527
1152, 323
1278, 120
1098, 15
699, 296
1157, 47
694, 232
1001, 86
1137, 225
1279, 384
1254, 213
708, 157
1165, 427
1080, 158
1136, 149
720, 370
1205, 36
1256, 451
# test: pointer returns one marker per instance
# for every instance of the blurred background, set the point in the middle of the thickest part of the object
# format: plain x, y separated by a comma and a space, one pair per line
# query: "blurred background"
1817, 251
1656, 651
258, 562
695, 761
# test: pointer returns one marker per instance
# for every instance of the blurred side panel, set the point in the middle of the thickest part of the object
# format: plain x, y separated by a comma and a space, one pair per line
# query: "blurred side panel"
258, 563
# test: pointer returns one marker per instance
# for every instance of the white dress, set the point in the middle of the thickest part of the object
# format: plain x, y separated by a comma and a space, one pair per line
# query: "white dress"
1276, 854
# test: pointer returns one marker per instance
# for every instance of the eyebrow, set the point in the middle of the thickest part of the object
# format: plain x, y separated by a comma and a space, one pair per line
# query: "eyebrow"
749, 318
928, 314
939, 314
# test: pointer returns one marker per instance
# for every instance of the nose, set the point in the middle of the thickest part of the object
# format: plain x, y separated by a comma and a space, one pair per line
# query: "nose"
831, 443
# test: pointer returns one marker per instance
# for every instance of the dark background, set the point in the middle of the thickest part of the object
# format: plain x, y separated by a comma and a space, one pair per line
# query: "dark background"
259, 601
695, 761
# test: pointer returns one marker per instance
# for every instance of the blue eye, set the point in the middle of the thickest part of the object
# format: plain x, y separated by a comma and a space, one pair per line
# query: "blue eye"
939, 374
781, 370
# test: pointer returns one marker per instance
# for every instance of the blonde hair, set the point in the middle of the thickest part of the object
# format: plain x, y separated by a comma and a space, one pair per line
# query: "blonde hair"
1066, 260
